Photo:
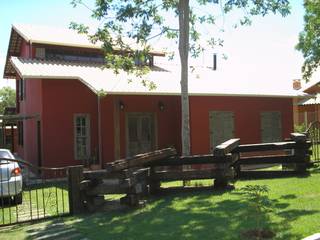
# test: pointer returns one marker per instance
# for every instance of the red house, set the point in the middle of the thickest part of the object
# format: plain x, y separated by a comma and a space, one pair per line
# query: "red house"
65, 120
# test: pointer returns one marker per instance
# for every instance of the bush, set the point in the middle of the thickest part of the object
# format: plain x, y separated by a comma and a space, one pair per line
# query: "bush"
300, 128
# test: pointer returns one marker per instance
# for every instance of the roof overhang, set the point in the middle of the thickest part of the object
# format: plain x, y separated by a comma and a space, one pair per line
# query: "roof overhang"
167, 81
13, 50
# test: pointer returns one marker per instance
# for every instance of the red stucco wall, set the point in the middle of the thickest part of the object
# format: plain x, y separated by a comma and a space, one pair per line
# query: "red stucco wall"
167, 121
32, 104
246, 114
61, 100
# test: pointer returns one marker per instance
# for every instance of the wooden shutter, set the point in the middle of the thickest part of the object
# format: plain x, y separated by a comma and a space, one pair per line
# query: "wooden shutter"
271, 129
221, 127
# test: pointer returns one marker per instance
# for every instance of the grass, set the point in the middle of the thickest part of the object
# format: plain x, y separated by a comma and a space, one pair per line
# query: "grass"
38, 202
204, 214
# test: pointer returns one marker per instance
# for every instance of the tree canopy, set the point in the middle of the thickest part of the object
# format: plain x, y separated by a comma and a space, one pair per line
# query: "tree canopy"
309, 38
7, 98
142, 21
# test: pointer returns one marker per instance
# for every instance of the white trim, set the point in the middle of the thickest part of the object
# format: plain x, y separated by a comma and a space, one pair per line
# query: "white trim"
20, 33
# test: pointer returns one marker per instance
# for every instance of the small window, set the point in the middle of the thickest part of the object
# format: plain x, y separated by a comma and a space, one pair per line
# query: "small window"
271, 130
20, 133
82, 136
40, 53
22, 88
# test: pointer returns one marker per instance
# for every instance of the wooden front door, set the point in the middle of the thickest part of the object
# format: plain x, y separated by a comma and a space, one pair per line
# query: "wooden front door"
221, 127
140, 133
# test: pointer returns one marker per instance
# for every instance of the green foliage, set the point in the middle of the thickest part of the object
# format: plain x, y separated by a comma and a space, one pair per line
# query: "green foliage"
309, 38
300, 128
142, 21
7, 98
260, 204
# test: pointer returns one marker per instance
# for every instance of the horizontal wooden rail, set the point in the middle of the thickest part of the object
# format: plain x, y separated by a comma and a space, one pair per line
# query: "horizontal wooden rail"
271, 146
190, 160
280, 159
191, 174
106, 174
110, 188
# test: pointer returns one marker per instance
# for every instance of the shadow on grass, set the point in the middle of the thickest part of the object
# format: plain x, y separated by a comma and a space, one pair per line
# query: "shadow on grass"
196, 215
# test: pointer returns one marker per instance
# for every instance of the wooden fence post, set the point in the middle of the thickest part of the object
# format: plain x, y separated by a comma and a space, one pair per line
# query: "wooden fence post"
224, 152
301, 153
75, 176
154, 185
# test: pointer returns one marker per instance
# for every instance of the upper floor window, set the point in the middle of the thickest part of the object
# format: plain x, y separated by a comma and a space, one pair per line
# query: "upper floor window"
40, 53
76, 56
85, 56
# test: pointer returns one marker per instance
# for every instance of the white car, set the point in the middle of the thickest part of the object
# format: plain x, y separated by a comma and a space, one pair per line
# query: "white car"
10, 177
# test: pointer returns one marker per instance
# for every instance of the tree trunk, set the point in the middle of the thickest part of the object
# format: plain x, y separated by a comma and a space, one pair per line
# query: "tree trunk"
183, 9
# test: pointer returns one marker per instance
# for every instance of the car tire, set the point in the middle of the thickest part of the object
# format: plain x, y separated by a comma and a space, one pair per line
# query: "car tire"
18, 198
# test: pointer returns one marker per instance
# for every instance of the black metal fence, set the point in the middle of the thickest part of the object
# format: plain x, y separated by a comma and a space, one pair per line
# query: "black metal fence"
313, 133
28, 193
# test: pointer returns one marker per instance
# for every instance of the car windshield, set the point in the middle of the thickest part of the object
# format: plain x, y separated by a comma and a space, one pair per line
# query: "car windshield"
5, 154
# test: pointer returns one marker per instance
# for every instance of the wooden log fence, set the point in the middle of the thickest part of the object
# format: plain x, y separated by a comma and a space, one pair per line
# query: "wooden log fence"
295, 161
141, 175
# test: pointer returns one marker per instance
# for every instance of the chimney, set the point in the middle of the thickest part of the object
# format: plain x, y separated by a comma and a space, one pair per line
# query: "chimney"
214, 66
296, 84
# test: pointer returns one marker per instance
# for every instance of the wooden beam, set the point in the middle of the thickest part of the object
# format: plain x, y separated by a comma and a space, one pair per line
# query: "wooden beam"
270, 146
140, 159
184, 160
256, 160
110, 188
75, 176
105, 174
298, 137
226, 147
191, 174
193, 160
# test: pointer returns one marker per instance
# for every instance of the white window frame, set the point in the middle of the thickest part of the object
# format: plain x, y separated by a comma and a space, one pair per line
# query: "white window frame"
87, 136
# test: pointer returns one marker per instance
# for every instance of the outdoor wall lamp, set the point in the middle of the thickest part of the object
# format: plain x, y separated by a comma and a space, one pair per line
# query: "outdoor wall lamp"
161, 106
121, 105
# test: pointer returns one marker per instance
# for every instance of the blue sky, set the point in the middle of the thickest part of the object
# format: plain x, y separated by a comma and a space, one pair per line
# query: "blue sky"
263, 50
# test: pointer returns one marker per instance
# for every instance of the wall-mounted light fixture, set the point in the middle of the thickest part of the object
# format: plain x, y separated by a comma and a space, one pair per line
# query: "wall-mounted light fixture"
121, 105
161, 106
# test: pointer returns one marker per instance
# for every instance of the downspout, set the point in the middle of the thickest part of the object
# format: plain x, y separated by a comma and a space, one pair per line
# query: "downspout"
99, 132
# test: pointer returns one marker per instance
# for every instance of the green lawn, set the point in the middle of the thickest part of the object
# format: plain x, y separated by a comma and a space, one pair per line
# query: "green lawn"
205, 215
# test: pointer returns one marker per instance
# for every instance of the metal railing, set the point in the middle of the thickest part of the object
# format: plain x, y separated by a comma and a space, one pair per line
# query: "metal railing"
313, 133
29, 193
